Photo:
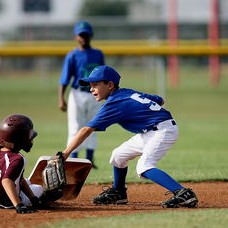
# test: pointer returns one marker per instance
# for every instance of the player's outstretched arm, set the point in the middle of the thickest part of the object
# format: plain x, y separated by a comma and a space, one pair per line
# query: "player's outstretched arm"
79, 138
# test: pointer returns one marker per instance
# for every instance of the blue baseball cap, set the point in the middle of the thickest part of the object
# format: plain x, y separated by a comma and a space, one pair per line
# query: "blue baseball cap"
83, 27
102, 73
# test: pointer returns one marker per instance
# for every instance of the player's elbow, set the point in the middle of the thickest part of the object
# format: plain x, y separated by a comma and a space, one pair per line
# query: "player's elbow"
87, 130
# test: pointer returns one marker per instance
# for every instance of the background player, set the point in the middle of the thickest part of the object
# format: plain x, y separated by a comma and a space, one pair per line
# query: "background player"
155, 129
81, 104
16, 133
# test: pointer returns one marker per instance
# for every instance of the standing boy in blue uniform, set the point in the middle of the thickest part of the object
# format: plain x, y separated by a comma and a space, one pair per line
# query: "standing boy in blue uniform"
81, 104
155, 133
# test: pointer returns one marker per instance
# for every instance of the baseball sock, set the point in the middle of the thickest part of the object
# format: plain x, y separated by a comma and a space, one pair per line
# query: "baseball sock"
119, 178
162, 178
89, 154
74, 155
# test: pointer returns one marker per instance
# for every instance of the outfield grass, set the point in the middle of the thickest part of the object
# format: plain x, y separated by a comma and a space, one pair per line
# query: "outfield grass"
210, 218
201, 112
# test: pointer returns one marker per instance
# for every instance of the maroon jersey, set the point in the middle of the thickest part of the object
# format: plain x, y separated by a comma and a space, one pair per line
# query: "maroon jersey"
12, 167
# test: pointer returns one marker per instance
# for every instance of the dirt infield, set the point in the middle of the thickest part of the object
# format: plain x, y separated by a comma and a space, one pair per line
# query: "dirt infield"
142, 198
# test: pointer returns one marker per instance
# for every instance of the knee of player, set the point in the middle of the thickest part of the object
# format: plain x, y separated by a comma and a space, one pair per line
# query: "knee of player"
142, 166
117, 159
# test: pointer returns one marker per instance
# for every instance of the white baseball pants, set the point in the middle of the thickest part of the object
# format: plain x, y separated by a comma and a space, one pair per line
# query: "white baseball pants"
82, 106
151, 146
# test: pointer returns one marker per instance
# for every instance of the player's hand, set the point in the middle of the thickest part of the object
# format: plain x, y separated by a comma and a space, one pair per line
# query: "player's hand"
59, 154
65, 156
22, 209
63, 106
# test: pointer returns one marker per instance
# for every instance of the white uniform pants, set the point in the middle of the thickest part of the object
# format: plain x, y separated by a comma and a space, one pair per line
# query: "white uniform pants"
151, 146
82, 106
37, 191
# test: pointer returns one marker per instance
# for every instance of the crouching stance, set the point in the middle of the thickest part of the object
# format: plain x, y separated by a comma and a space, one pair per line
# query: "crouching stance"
155, 132
16, 133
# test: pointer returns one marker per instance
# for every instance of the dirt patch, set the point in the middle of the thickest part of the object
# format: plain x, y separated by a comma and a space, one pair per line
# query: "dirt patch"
141, 197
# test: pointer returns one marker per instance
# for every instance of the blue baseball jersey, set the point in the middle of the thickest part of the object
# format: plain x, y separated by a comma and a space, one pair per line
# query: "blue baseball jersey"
135, 111
78, 64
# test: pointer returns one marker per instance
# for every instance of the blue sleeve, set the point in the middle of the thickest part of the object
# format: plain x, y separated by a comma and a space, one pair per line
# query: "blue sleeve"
106, 116
102, 59
68, 69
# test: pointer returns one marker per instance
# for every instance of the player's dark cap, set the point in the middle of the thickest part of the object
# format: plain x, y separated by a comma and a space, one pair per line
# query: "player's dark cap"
83, 27
102, 73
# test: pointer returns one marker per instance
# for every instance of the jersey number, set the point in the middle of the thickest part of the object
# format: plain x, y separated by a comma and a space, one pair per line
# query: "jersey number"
154, 106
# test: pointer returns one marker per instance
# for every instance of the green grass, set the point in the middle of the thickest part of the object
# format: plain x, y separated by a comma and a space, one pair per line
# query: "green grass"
210, 218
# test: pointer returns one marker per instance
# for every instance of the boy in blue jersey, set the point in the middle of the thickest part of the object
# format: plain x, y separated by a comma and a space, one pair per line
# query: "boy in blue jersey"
155, 132
81, 104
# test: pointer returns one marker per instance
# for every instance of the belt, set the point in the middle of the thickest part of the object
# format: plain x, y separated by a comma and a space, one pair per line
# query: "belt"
166, 122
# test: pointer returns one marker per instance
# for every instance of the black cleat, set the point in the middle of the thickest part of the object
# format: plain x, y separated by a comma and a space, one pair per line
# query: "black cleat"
184, 197
111, 196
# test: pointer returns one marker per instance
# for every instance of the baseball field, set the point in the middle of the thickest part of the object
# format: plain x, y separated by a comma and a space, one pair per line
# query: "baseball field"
198, 159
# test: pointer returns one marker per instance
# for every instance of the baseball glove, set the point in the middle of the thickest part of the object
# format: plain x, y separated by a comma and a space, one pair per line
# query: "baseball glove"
54, 177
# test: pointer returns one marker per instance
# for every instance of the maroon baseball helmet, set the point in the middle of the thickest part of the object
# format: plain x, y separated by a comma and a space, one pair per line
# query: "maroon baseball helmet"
16, 133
